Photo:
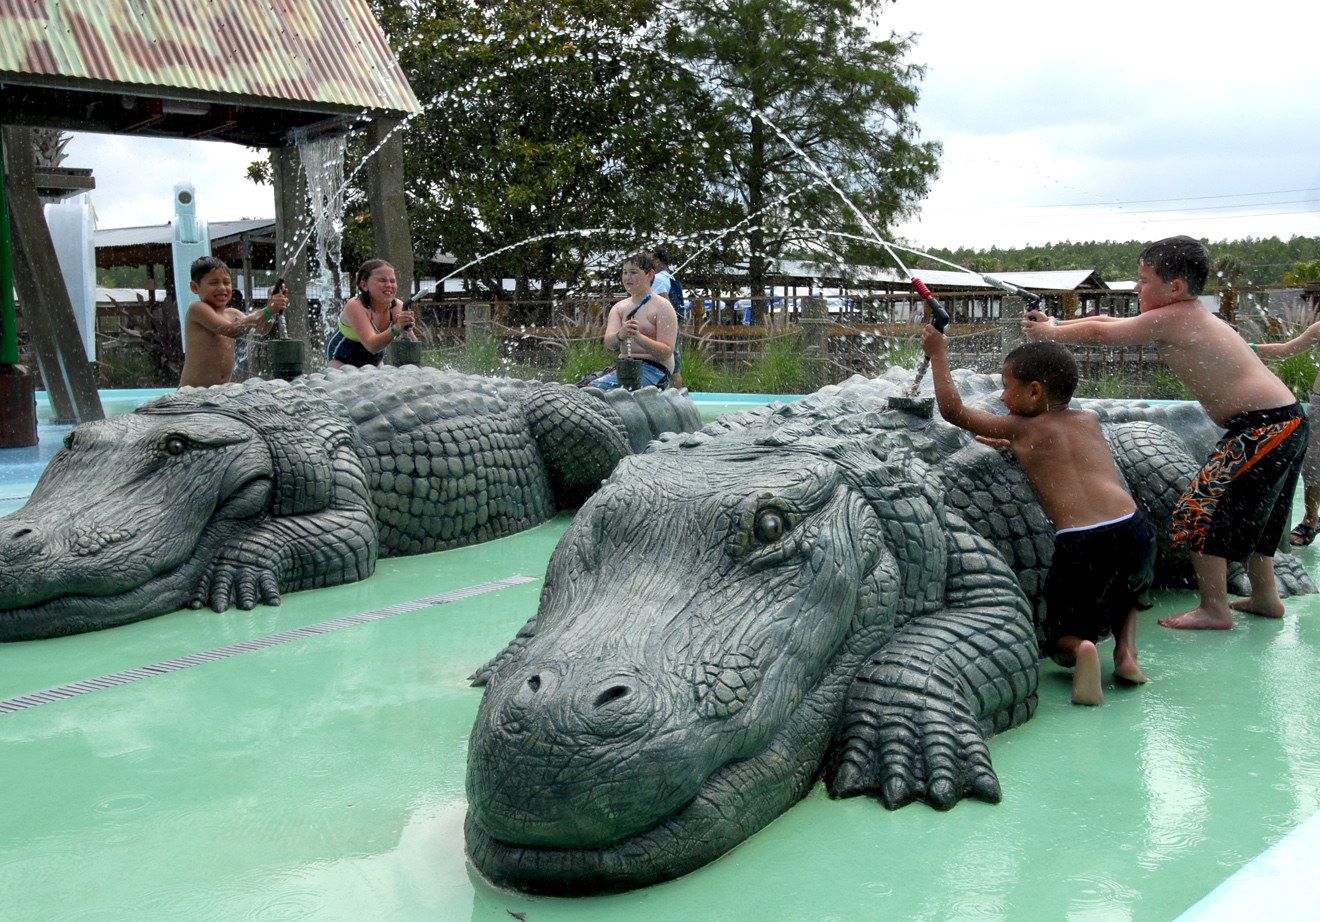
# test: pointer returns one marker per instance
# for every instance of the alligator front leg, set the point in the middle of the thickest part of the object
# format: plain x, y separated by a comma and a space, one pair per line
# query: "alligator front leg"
919, 711
288, 554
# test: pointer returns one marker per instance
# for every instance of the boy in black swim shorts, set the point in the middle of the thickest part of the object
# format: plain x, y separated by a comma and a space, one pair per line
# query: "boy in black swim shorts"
1099, 581
1104, 554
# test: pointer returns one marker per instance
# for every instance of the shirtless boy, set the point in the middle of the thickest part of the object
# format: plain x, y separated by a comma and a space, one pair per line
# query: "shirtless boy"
1104, 547
211, 326
644, 322
1239, 504
1305, 530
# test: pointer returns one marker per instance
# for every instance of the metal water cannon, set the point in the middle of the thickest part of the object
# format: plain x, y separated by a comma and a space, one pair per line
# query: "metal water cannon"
1030, 297
407, 351
287, 356
939, 318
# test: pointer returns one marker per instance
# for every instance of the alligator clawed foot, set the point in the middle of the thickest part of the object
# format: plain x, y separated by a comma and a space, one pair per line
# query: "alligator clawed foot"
903, 752
230, 583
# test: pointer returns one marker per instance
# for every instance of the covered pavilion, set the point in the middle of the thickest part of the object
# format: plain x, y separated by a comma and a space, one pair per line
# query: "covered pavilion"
268, 75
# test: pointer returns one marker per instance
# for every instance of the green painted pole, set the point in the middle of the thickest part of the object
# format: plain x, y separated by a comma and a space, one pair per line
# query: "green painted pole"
8, 318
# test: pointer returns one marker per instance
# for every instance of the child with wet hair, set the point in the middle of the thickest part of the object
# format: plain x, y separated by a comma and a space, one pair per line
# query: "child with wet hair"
1104, 546
210, 325
1239, 505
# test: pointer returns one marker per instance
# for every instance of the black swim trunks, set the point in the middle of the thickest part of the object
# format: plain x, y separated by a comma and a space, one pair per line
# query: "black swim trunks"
1097, 576
1241, 500
345, 350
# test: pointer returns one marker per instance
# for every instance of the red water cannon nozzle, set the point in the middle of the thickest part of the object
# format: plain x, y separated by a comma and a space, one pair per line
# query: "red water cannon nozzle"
939, 317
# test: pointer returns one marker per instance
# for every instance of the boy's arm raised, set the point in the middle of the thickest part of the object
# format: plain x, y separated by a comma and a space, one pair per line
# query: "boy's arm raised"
1274, 352
230, 322
979, 422
1116, 331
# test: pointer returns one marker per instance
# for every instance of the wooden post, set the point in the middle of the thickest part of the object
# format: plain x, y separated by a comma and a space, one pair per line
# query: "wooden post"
389, 206
1011, 311
815, 320
1070, 302
47, 311
1228, 299
292, 225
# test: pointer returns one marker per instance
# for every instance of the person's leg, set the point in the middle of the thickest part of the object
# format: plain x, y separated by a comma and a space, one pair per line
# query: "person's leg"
1264, 600
1310, 515
1212, 580
1125, 651
606, 382
1086, 673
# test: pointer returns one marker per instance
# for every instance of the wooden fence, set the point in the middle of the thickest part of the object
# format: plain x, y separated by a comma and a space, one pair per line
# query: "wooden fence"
866, 332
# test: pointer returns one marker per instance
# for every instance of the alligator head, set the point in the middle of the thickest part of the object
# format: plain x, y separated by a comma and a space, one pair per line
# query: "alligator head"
689, 661
125, 519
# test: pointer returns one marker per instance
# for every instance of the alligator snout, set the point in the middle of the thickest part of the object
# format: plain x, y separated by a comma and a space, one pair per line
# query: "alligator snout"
575, 701
589, 730
20, 540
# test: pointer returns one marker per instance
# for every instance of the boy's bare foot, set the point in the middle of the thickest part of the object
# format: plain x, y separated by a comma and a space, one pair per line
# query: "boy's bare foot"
1264, 609
1199, 619
1086, 676
1128, 672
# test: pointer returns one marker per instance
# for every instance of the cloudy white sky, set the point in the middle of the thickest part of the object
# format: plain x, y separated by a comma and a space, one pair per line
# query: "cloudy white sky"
1135, 119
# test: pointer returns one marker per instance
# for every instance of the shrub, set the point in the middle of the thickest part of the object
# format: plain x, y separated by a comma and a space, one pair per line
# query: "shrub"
583, 357
779, 369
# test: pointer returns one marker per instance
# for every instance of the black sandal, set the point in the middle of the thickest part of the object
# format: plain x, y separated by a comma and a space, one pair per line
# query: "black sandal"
1304, 532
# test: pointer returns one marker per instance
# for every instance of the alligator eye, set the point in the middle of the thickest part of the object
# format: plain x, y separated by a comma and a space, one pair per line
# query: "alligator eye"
69, 440
769, 527
175, 445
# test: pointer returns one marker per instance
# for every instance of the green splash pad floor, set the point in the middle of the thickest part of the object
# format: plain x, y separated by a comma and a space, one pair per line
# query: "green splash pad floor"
323, 778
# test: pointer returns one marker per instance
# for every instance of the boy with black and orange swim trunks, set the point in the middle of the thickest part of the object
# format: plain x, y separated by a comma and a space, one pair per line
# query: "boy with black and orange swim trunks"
1238, 505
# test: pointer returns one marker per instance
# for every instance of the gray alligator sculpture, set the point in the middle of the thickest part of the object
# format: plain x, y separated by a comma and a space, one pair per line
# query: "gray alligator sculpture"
236, 494
803, 592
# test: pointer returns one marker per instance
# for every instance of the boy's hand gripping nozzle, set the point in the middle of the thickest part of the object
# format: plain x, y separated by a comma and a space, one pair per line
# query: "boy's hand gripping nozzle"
939, 318
281, 326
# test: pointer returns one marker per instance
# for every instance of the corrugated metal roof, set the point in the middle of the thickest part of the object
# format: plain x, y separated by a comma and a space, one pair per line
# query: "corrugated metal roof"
154, 234
1044, 280
326, 53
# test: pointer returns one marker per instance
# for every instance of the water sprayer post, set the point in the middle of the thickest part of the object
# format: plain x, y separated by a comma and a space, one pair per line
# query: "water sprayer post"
910, 402
287, 356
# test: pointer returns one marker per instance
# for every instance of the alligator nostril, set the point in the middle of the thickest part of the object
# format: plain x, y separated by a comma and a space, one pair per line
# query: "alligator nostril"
21, 533
613, 693
534, 683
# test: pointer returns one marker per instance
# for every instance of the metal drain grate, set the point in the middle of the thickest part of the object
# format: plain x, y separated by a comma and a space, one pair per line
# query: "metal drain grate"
247, 646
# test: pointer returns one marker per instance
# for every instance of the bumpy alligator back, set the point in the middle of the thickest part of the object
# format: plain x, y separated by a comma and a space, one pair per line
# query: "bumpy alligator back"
454, 459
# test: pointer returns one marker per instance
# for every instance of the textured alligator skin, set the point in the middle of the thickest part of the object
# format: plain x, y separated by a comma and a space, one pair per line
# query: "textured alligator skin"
827, 590
234, 495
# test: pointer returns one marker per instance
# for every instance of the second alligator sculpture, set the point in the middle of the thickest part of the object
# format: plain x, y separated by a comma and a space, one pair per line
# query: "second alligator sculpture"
236, 494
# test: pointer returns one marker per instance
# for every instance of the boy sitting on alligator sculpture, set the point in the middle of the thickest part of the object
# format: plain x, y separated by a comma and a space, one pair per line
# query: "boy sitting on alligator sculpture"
1104, 550
1238, 505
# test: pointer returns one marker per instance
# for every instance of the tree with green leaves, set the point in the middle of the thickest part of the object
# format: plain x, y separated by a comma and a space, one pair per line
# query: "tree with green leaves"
539, 137
1303, 272
809, 107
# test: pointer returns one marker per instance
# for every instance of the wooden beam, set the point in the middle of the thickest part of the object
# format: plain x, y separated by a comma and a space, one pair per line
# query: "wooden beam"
47, 311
